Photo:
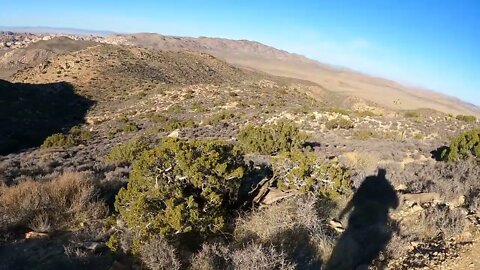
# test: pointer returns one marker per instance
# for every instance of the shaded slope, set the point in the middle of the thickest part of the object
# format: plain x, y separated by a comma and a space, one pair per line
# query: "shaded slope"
31, 112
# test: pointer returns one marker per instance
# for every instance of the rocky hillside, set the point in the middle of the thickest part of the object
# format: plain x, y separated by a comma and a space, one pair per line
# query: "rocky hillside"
123, 156
254, 55
34, 53
251, 55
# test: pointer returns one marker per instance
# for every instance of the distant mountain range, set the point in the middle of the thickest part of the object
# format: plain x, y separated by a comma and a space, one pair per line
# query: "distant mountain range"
55, 30
260, 57
256, 56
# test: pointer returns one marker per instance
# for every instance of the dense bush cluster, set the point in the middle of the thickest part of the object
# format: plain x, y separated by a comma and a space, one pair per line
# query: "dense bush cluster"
464, 146
339, 123
181, 186
76, 136
58, 140
466, 118
307, 172
411, 114
271, 139
167, 124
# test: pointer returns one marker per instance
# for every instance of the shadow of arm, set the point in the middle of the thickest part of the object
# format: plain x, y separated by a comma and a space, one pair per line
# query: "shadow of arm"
346, 209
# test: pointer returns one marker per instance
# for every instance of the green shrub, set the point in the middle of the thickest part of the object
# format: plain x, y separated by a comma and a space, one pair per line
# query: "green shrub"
411, 114
393, 135
198, 107
271, 139
181, 186
364, 113
419, 136
464, 146
466, 118
81, 135
126, 153
58, 140
168, 124
217, 118
307, 172
340, 111
130, 127
339, 123
76, 136
364, 134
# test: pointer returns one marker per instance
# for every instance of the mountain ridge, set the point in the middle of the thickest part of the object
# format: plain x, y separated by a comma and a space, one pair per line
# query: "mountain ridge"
257, 56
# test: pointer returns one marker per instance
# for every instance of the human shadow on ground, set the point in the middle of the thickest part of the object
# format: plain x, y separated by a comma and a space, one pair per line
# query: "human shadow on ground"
29, 113
368, 231
51, 254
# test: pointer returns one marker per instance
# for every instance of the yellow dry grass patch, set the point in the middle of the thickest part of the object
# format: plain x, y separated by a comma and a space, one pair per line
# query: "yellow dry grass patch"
59, 204
360, 160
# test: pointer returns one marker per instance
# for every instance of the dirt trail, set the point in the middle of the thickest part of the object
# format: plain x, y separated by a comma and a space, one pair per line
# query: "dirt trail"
469, 259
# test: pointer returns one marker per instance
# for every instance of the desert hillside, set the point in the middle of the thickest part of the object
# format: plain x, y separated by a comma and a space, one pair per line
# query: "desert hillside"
118, 153
243, 53
260, 57
37, 52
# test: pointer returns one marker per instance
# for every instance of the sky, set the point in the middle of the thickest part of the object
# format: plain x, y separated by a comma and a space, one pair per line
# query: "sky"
433, 44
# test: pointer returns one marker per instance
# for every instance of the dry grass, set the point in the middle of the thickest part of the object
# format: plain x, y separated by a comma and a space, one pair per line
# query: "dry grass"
257, 256
398, 247
59, 204
212, 257
304, 219
363, 161
449, 222
250, 256
157, 254
451, 180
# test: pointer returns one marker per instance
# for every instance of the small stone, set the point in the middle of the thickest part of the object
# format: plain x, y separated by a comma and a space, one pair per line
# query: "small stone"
416, 208
174, 134
401, 187
120, 223
35, 235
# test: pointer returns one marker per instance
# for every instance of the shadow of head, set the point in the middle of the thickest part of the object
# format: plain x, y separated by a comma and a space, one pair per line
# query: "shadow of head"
29, 113
376, 192
368, 231
438, 153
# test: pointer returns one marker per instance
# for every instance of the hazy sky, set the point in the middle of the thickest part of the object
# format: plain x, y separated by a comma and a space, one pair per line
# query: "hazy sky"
428, 43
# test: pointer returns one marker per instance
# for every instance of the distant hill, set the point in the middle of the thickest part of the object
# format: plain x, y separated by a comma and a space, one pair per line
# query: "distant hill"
127, 80
38, 52
257, 56
105, 71
254, 56
55, 30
